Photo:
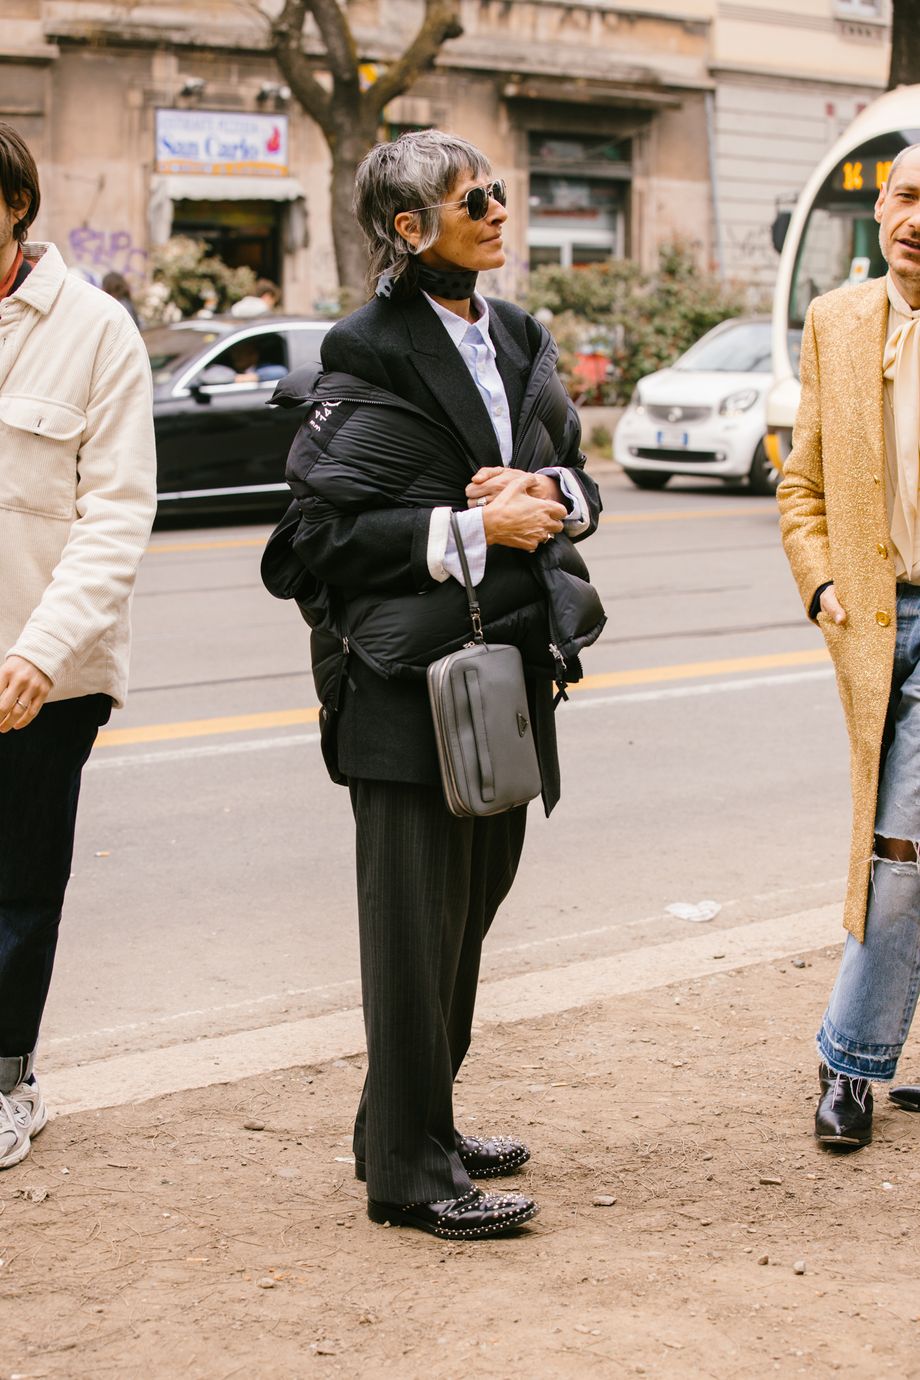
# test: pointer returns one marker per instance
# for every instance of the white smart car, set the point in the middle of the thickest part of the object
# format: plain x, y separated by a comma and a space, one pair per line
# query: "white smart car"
704, 416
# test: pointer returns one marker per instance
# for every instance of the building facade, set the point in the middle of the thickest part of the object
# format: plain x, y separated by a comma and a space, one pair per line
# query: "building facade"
789, 78
618, 126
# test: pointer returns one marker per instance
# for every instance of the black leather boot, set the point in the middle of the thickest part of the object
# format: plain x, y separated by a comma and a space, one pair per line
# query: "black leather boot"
843, 1120
907, 1097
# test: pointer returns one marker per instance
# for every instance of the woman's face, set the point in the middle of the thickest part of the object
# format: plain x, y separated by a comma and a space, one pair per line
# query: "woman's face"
465, 243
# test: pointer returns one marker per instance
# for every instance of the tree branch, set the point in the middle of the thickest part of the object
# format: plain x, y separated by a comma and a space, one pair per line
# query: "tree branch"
441, 22
287, 41
341, 53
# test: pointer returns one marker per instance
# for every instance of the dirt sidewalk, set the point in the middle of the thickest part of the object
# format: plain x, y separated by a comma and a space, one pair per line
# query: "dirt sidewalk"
166, 1239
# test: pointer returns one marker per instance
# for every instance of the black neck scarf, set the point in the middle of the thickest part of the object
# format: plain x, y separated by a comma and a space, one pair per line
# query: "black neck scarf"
453, 284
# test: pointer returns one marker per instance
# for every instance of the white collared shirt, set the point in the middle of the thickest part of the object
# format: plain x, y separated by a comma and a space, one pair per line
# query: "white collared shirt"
477, 351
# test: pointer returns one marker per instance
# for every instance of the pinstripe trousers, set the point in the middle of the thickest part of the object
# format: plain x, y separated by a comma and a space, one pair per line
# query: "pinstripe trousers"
429, 885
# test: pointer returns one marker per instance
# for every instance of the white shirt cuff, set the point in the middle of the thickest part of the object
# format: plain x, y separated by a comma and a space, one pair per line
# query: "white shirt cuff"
578, 520
438, 533
473, 532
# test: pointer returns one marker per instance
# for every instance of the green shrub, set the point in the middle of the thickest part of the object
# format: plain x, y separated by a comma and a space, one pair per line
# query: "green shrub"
595, 293
642, 321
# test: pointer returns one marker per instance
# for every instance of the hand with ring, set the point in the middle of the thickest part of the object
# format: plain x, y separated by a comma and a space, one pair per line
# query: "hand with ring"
516, 517
492, 480
23, 691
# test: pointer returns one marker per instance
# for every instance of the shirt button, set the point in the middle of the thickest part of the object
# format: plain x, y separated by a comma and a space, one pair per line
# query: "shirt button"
882, 618
882, 550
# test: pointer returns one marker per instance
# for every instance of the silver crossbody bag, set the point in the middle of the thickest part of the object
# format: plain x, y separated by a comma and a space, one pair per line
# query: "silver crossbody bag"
482, 723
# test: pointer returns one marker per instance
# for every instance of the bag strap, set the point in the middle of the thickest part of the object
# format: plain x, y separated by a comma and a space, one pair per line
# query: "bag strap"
475, 612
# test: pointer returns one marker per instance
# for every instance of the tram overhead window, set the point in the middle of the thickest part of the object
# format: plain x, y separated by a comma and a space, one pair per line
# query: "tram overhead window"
840, 241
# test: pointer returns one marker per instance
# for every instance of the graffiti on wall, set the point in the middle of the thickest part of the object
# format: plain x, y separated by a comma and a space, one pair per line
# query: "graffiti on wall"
99, 252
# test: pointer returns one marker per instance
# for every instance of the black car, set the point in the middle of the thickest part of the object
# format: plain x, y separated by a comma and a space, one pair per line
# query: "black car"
220, 448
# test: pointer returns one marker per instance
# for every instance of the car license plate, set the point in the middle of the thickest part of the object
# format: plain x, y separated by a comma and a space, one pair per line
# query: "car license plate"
672, 439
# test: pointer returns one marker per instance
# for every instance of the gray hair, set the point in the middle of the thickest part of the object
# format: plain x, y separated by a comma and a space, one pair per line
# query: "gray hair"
415, 170
911, 148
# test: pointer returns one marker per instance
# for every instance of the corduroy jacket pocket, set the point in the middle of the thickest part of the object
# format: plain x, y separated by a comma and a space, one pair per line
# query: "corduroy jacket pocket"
39, 442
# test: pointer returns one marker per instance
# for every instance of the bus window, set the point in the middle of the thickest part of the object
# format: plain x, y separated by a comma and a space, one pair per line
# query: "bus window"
840, 241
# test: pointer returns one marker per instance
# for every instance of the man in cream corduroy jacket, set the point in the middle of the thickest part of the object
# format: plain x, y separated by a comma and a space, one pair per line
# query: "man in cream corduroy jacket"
77, 498
849, 516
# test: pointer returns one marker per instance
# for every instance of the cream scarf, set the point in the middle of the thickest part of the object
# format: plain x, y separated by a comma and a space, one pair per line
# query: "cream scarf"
901, 371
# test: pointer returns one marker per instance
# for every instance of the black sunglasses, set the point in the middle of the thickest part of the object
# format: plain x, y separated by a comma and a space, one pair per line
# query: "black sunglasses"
476, 200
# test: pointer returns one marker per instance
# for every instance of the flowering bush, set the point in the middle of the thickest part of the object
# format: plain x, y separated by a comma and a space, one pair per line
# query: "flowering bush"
185, 278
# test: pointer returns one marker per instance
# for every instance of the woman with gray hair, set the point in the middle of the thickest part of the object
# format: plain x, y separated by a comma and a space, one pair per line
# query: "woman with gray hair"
432, 401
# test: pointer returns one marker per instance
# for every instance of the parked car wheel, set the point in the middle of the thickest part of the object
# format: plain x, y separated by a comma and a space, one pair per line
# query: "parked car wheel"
647, 479
764, 475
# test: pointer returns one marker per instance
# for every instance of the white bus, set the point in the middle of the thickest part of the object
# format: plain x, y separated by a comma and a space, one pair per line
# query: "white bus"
832, 239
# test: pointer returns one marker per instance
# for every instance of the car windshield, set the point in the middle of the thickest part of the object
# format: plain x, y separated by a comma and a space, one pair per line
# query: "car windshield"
740, 349
170, 346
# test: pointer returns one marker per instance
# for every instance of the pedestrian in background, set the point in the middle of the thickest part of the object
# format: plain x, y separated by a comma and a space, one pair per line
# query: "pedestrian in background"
427, 376
849, 517
265, 297
77, 498
116, 285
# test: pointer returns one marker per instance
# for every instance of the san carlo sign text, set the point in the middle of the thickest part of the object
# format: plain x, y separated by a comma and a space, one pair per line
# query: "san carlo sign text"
219, 142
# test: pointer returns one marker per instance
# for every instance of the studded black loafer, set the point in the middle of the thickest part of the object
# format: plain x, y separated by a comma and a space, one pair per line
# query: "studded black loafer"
907, 1097
491, 1158
474, 1217
843, 1120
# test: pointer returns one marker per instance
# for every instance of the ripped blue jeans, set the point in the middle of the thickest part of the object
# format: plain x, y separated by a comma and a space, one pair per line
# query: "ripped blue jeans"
869, 1015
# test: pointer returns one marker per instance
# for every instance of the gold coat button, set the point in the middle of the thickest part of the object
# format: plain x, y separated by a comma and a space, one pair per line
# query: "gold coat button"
882, 550
882, 618
875, 479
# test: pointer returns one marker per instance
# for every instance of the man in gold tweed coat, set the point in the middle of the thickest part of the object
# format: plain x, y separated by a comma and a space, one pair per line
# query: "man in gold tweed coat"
849, 519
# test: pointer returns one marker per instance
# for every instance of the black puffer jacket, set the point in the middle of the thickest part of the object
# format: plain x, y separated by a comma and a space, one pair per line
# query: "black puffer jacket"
362, 448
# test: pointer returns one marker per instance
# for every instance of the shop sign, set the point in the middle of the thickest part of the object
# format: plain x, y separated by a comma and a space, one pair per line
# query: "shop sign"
221, 142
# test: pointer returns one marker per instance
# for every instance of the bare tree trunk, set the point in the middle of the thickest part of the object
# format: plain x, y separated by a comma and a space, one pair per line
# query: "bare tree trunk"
905, 43
348, 146
348, 117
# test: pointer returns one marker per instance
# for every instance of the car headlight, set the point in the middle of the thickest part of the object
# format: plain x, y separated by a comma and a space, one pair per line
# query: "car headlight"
636, 403
736, 403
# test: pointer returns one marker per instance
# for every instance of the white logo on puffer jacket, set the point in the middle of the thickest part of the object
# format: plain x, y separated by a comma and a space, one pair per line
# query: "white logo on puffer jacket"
321, 413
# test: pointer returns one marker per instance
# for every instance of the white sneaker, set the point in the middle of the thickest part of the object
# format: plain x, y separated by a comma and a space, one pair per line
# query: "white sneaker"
22, 1115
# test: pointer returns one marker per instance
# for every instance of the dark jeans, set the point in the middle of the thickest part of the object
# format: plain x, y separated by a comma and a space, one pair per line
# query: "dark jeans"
40, 769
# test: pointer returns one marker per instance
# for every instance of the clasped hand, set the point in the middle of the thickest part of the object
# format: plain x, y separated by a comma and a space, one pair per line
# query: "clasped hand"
521, 509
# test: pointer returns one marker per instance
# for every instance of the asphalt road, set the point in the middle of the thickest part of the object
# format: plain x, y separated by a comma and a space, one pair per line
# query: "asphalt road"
704, 758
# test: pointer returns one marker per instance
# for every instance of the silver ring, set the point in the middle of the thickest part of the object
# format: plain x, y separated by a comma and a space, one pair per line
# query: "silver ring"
23, 706
480, 503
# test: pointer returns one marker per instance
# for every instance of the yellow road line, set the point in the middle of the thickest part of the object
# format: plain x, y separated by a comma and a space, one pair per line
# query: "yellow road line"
203, 728
687, 514
287, 718
691, 670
